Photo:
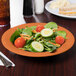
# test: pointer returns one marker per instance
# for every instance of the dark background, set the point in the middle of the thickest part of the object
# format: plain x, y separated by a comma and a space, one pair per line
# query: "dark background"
60, 65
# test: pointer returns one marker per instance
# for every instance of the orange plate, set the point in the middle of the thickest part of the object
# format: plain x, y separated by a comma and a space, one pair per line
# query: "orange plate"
7, 44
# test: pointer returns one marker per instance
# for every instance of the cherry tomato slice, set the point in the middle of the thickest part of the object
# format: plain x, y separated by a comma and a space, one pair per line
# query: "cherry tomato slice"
39, 28
19, 42
59, 40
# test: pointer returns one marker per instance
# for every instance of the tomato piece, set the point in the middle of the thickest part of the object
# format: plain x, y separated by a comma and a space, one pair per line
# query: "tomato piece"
19, 42
39, 28
59, 40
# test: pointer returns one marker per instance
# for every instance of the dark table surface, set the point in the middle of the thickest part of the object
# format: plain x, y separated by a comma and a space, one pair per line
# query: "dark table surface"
60, 65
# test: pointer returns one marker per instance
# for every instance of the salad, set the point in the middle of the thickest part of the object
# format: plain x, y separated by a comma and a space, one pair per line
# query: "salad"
39, 38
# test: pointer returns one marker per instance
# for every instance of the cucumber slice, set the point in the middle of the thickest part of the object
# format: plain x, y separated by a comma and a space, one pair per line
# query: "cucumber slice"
37, 46
47, 32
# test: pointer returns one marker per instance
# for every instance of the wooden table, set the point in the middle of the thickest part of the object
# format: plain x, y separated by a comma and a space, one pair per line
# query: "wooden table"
61, 65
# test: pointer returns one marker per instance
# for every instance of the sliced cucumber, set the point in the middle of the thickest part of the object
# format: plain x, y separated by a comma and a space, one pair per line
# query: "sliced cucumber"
37, 46
46, 32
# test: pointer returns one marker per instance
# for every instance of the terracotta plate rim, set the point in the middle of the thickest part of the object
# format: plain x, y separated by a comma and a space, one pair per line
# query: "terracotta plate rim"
15, 50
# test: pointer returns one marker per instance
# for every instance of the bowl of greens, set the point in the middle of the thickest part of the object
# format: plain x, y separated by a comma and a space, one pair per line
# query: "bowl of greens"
38, 39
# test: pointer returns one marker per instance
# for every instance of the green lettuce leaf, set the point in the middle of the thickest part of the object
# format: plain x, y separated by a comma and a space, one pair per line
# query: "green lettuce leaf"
61, 33
33, 27
51, 25
28, 30
15, 35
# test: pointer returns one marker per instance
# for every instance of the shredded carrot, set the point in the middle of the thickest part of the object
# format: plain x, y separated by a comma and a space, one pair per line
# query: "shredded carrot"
34, 38
57, 44
21, 35
54, 43
34, 31
26, 37
51, 42
54, 30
